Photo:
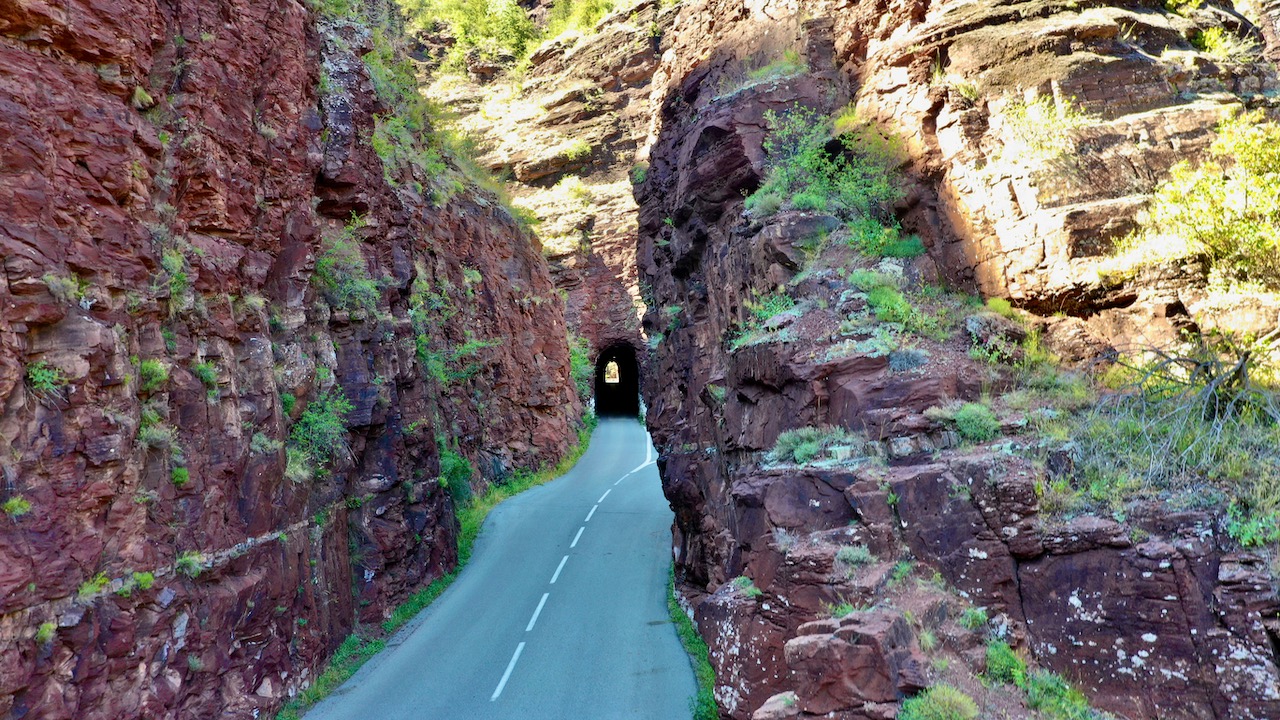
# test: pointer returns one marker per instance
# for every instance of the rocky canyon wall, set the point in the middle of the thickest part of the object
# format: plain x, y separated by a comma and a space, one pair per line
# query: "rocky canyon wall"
179, 249
1154, 612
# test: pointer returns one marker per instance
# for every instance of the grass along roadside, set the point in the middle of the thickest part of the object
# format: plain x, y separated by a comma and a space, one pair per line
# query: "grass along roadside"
702, 705
364, 643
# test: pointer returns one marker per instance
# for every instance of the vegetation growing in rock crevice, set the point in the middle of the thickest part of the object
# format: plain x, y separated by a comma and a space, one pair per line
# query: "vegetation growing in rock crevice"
853, 180
1227, 208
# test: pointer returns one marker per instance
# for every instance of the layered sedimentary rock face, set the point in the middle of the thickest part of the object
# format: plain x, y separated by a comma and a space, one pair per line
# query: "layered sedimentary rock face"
202, 254
1033, 134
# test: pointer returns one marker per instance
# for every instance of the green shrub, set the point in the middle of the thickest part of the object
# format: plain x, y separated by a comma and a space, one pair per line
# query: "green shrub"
180, 476
805, 445
16, 506
493, 28
802, 173
152, 375
174, 264
940, 702
581, 368
703, 704
1004, 665
840, 610
977, 423
45, 633
206, 372
855, 555
973, 619
68, 289
1043, 129
871, 237
1227, 208
342, 275
1055, 698
287, 402
321, 433
45, 381
190, 563
144, 580
92, 587
748, 588
156, 435
456, 472
260, 444
299, 466
789, 65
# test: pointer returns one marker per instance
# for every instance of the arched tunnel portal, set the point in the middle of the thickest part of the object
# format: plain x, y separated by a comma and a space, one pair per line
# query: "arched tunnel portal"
618, 381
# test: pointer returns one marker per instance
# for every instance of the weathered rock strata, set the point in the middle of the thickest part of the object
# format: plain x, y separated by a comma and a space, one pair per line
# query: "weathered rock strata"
1162, 601
177, 166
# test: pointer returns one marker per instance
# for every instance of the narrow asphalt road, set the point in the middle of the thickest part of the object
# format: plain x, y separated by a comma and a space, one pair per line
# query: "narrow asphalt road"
561, 612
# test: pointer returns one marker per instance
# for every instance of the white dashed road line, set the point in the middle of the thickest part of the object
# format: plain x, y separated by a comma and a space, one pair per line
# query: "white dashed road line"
507, 675
537, 612
648, 454
555, 577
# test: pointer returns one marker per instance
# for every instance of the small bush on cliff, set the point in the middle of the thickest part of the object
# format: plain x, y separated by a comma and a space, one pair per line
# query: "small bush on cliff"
190, 563
494, 29
976, 422
1227, 208
747, 587
455, 474
940, 702
1004, 665
16, 506
45, 633
1055, 698
805, 169
581, 367
320, 435
152, 375
1043, 129
805, 445
46, 382
92, 587
342, 274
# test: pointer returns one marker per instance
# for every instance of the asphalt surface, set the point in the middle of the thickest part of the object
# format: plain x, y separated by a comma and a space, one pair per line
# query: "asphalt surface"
560, 614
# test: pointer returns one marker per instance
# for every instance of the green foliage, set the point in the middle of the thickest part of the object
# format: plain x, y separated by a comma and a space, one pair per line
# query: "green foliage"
890, 306
940, 702
802, 446
190, 563
342, 274
576, 16
354, 652
287, 402
901, 569
855, 555
144, 580
45, 633
1198, 425
973, 619
175, 264
747, 587
802, 173
767, 306
1225, 46
206, 372
580, 366
494, 29
1043, 129
68, 289
455, 475
299, 467
1004, 665
976, 422
261, 444
152, 375
45, 381
321, 433
16, 506
839, 610
1181, 7
1004, 308
789, 65
92, 587
704, 703
870, 237
639, 173
1228, 207
1055, 698
180, 476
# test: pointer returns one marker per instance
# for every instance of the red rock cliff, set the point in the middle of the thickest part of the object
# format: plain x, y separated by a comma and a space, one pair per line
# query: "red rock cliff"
172, 173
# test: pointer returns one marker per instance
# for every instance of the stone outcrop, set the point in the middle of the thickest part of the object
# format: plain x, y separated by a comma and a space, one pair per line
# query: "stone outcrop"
172, 174
1164, 600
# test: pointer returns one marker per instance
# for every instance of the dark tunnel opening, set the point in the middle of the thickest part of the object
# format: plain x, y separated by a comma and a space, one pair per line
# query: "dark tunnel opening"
618, 382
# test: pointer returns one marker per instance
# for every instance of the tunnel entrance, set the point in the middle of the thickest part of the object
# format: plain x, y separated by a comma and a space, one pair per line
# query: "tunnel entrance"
618, 381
